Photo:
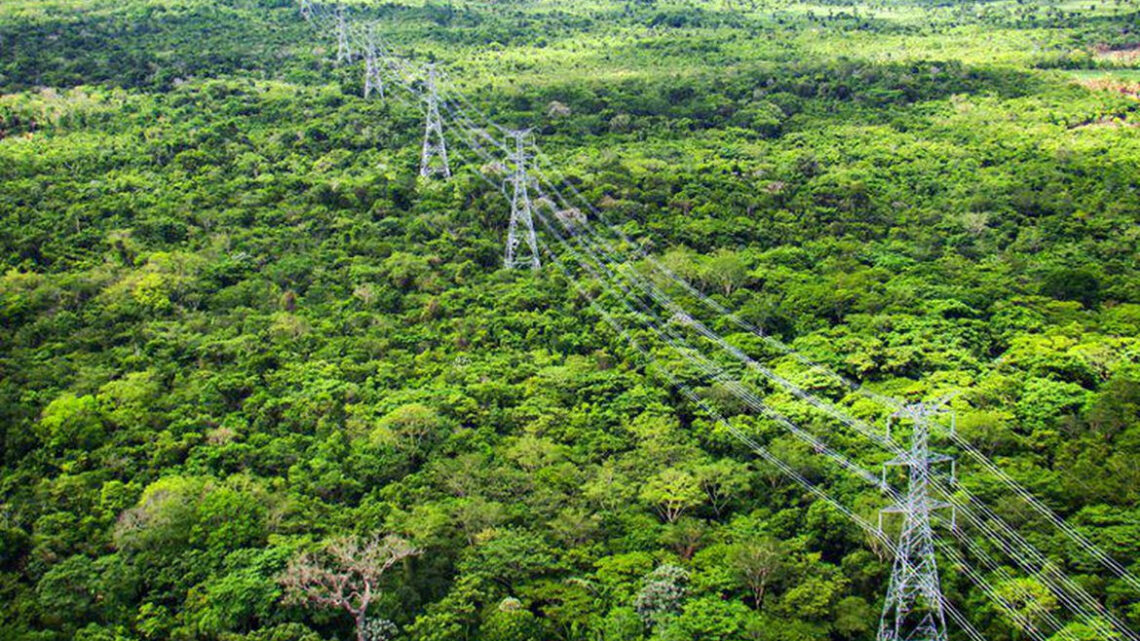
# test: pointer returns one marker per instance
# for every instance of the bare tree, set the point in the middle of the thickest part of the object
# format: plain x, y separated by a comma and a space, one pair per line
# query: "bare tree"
345, 575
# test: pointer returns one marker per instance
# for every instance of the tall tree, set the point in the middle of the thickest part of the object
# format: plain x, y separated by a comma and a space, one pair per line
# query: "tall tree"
756, 564
672, 492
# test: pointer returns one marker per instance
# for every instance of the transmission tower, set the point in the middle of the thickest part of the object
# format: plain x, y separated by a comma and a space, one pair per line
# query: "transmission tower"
306, 9
913, 610
434, 144
521, 207
343, 50
373, 78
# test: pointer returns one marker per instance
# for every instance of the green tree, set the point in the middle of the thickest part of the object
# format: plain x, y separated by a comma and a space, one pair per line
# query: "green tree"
671, 492
723, 480
758, 564
710, 617
410, 428
1029, 598
71, 421
67, 592
854, 617
726, 270
1072, 284
509, 557
510, 621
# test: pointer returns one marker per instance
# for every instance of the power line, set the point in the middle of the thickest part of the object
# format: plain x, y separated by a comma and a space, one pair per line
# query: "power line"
1034, 503
683, 355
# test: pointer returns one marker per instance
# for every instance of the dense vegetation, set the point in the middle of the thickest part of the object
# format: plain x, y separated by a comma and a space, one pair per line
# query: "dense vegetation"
235, 326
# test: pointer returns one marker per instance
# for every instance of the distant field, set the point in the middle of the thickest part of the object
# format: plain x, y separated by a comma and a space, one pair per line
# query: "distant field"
1128, 75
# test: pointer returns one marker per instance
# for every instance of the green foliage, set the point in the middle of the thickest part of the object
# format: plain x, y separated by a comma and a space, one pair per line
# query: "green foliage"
233, 321
671, 492
410, 427
709, 617
244, 598
71, 422
510, 621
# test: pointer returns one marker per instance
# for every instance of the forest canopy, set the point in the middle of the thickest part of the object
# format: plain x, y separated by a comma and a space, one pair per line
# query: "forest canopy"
247, 353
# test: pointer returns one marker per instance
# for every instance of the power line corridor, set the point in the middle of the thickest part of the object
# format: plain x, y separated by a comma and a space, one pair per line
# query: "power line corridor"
939, 518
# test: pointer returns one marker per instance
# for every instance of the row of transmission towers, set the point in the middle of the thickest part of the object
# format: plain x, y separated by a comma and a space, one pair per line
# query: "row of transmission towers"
433, 155
434, 162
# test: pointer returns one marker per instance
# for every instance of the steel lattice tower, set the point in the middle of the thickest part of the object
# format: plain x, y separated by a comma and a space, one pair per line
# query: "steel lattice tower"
343, 50
373, 78
914, 607
434, 144
521, 207
306, 9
